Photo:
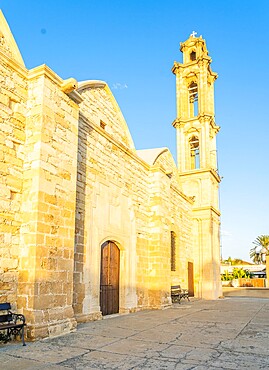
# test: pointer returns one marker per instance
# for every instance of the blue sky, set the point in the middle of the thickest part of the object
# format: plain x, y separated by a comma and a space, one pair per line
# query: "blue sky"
132, 46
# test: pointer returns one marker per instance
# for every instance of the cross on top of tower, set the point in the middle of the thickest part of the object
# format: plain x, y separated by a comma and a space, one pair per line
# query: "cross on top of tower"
193, 34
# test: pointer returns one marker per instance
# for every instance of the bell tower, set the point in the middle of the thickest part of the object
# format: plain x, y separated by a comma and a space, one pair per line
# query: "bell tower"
196, 132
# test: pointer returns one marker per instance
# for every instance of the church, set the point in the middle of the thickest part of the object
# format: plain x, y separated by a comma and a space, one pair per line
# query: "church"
90, 226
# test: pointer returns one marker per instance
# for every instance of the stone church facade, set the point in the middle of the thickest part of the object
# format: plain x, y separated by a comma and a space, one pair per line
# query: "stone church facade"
90, 226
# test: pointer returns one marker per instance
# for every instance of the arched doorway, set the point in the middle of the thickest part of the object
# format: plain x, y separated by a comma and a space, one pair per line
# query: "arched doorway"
109, 279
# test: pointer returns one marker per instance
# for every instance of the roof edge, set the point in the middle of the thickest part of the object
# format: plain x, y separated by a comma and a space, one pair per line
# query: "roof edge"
91, 83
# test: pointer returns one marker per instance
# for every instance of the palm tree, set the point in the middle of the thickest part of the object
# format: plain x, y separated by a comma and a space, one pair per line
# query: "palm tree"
255, 256
261, 248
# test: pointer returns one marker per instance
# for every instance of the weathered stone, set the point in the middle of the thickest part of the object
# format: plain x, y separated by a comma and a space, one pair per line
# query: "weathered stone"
136, 341
71, 181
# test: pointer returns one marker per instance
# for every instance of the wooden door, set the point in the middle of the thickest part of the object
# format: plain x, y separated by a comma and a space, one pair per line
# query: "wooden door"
109, 282
190, 279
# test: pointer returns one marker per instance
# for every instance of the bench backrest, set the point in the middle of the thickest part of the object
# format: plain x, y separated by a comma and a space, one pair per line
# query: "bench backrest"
5, 306
175, 287
6, 317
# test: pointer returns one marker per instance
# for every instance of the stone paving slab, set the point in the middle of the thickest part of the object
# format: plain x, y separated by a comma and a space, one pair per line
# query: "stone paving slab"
108, 331
230, 333
45, 351
105, 360
82, 341
234, 361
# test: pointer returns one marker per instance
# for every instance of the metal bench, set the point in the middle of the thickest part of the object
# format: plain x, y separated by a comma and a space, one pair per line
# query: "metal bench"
177, 293
11, 324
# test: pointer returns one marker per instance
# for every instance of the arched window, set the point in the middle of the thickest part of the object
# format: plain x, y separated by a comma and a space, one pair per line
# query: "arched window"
194, 152
193, 99
193, 56
173, 251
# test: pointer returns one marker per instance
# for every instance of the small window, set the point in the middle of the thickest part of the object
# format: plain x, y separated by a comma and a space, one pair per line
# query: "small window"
193, 56
173, 251
102, 125
194, 152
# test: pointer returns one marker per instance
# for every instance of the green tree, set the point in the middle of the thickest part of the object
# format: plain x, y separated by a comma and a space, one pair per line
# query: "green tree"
226, 276
240, 273
261, 247
234, 261
236, 274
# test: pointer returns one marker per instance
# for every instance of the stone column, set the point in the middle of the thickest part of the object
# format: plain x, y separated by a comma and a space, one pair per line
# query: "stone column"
48, 208
159, 246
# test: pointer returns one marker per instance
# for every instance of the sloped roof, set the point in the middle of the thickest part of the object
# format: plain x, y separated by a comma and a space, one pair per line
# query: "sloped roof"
7, 42
90, 83
150, 155
83, 86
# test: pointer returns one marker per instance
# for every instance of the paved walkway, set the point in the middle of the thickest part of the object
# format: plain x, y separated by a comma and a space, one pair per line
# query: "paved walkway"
232, 333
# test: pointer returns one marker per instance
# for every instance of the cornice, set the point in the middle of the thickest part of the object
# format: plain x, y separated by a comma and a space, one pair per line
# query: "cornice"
205, 60
44, 70
207, 208
175, 67
213, 74
179, 122
157, 168
201, 118
216, 175
179, 192
176, 123
14, 64
205, 117
211, 120
199, 62
215, 128
195, 172
191, 41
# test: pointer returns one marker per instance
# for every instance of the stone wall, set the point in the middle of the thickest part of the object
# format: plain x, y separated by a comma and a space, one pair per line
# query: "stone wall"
179, 221
119, 196
13, 97
108, 116
112, 203
48, 207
